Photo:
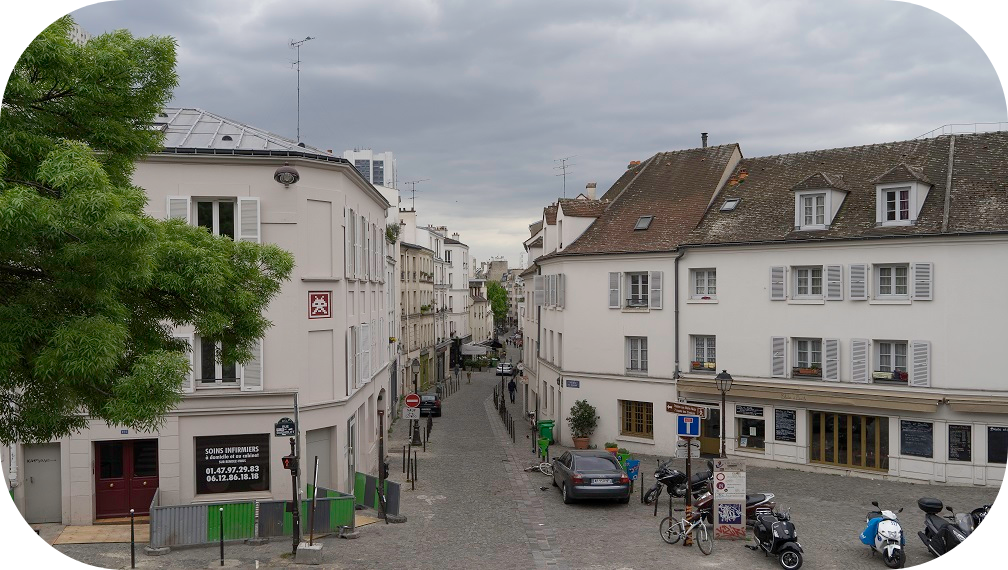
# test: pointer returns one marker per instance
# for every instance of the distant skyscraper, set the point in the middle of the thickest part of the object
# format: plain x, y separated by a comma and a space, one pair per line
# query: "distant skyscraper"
79, 35
378, 168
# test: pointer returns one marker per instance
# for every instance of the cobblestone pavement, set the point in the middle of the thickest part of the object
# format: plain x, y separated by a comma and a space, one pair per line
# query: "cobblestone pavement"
475, 507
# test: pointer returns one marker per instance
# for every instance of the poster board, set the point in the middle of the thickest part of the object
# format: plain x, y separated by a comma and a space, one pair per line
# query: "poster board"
785, 425
232, 463
916, 438
729, 499
960, 444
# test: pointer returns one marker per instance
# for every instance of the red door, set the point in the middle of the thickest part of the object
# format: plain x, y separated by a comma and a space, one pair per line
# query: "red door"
126, 476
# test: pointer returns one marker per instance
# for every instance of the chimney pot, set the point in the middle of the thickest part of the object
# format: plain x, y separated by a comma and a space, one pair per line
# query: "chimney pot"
703, 138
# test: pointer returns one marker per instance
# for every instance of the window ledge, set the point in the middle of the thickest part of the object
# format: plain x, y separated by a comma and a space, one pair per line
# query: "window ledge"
638, 373
877, 301
815, 301
702, 301
635, 439
636, 309
812, 228
319, 278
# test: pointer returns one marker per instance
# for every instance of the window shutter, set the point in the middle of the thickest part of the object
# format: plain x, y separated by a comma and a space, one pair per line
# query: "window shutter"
364, 339
859, 361
859, 282
923, 273
178, 208
350, 356
561, 295
188, 386
778, 292
626, 353
359, 248
540, 290
248, 212
834, 282
348, 242
831, 359
920, 373
251, 380
778, 369
656, 289
614, 293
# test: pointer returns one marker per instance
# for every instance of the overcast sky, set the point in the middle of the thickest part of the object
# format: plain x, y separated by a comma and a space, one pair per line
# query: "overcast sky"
483, 97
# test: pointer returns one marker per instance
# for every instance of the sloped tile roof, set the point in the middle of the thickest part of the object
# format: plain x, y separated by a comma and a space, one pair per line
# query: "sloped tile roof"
902, 173
818, 181
537, 243
581, 208
673, 187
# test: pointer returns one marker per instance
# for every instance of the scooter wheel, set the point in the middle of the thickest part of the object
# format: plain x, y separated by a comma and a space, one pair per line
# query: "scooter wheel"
790, 560
897, 560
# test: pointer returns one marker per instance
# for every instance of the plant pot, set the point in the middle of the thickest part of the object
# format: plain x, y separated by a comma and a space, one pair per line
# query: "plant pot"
580, 443
612, 450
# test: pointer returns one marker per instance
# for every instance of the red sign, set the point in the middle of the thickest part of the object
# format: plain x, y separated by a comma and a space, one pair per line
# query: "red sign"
412, 401
319, 304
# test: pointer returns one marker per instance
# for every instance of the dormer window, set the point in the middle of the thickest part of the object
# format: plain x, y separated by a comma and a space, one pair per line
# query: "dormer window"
897, 204
643, 222
812, 210
900, 194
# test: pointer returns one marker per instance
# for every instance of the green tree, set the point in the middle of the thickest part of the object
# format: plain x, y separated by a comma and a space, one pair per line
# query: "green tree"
90, 286
498, 301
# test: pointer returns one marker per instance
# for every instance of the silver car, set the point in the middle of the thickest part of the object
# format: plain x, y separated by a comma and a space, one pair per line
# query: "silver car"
506, 369
590, 474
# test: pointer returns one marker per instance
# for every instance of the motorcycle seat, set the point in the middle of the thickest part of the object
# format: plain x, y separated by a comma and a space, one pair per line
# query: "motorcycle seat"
874, 515
767, 520
751, 500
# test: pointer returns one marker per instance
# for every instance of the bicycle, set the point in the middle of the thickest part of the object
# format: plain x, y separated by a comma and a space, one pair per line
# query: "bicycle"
544, 468
672, 530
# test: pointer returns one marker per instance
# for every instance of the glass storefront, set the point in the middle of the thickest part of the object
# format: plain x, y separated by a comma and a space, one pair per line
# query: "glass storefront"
849, 440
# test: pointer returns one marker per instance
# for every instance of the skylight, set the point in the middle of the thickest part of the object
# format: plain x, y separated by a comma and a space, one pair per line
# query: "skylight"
643, 222
730, 204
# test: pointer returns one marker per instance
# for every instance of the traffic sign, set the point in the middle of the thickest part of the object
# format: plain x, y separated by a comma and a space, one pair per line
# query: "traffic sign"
689, 426
411, 413
412, 401
290, 462
694, 448
688, 409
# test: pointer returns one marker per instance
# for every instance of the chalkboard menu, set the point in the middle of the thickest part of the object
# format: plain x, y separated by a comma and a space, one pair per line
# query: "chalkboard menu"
997, 444
960, 443
784, 425
916, 438
748, 411
232, 463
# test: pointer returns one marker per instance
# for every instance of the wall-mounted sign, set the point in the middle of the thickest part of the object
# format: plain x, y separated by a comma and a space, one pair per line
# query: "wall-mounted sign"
784, 425
232, 463
960, 444
284, 428
997, 444
319, 304
573, 383
916, 438
748, 411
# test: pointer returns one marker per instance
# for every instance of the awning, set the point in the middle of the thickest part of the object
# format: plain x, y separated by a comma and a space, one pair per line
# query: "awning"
473, 350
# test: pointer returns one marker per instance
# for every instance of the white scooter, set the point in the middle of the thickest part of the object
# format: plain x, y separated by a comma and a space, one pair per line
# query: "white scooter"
884, 534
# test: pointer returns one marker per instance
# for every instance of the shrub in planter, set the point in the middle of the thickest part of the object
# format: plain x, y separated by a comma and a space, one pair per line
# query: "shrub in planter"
582, 421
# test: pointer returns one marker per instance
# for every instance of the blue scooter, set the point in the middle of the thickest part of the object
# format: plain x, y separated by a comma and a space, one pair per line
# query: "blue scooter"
884, 534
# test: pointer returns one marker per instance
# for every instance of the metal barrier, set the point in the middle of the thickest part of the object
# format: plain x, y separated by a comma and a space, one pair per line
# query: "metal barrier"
364, 492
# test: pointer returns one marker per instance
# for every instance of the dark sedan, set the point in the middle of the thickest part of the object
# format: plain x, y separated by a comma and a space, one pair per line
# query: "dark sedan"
430, 405
590, 474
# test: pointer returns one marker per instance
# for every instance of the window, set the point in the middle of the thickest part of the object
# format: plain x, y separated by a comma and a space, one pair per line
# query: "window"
703, 354
751, 433
643, 222
849, 440
636, 353
638, 289
892, 281
217, 216
363, 166
808, 357
813, 210
211, 371
897, 204
808, 282
448, 256
730, 204
379, 173
891, 361
704, 283
637, 419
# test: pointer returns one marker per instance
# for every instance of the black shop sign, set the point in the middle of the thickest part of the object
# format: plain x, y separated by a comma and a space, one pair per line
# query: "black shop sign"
784, 425
232, 463
916, 438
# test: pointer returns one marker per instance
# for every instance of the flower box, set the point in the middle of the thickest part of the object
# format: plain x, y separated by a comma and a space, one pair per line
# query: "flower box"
798, 371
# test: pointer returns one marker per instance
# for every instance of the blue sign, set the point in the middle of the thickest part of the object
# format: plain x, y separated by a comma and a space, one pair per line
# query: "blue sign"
124, 431
573, 383
689, 426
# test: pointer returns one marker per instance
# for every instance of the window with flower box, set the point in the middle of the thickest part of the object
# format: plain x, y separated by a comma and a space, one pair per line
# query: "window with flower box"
808, 357
703, 354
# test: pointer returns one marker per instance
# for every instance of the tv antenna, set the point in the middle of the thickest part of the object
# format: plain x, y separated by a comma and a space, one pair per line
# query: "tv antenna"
413, 184
564, 166
297, 45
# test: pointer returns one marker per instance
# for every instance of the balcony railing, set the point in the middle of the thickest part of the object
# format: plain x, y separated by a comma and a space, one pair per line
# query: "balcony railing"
636, 302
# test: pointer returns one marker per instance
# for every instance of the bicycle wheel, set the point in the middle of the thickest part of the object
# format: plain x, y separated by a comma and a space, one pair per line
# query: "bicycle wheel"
704, 538
670, 530
546, 468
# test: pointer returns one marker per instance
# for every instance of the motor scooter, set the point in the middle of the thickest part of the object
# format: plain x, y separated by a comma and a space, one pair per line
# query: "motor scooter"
775, 534
942, 534
884, 534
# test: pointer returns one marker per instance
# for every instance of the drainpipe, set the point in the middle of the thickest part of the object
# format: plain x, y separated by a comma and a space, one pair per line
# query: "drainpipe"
675, 373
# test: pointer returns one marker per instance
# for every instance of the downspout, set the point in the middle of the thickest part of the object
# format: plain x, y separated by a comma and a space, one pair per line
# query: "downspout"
675, 332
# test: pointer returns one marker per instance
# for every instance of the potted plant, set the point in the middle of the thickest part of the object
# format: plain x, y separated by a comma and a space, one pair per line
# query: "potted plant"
611, 447
582, 421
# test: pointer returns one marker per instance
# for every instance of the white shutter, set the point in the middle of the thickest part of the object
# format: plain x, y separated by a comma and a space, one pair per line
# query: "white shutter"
831, 359
539, 283
859, 361
348, 241
561, 295
179, 207
923, 273
858, 282
614, 290
251, 380
350, 356
364, 340
778, 291
834, 282
778, 364
656, 289
188, 386
248, 215
553, 290
920, 371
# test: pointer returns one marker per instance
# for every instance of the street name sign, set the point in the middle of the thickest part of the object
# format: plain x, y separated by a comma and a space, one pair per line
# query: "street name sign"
284, 427
687, 409
412, 401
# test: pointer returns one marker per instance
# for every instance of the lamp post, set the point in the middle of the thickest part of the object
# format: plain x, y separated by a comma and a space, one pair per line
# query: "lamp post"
723, 381
415, 368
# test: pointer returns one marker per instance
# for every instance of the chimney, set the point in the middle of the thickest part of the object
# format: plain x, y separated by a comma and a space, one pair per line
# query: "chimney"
590, 190
703, 138
455, 236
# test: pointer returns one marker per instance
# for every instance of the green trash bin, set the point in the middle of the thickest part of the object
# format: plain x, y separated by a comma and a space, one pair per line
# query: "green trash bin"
546, 430
543, 445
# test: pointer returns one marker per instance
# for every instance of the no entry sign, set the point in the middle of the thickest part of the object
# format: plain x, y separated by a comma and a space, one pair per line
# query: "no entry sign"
412, 401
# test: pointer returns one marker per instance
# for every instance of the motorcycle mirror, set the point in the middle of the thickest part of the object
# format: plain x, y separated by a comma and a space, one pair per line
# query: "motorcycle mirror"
874, 504
949, 509
900, 510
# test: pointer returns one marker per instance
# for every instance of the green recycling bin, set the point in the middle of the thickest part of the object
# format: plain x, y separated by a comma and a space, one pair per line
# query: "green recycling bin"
543, 445
546, 429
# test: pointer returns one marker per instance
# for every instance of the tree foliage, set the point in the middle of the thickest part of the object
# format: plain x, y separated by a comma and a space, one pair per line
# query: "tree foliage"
90, 286
498, 300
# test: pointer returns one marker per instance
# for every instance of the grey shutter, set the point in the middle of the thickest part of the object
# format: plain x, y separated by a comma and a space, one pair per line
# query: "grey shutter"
248, 215
539, 290
834, 282
859, 361
858, 282
178, 208
251, 380
831, 359
365, 342
188, 385
348, 243
655, 281
778, 290
614, 293
778, 364
923, 274
350, 377
359, 247
920, 369
561, 295
550, 290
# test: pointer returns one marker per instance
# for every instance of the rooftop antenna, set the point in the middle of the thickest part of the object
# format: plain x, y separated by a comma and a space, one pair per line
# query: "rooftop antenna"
413, 184
297, 45
564, 166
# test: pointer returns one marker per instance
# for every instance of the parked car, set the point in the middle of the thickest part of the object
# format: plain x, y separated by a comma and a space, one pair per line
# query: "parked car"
590, 474
506, 368
430, 405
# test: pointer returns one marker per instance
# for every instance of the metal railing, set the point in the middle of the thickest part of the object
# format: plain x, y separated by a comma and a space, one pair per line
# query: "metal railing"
963, 129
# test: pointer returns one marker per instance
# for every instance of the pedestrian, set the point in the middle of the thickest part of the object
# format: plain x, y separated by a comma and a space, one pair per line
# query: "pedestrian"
512, 388
468, 376
456, 371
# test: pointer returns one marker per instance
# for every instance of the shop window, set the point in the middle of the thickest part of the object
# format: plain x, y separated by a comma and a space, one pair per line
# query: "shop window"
637, 419
751, 433
849, 440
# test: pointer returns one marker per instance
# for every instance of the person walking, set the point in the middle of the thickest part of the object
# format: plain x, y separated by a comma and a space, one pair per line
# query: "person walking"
468, 376
512, 388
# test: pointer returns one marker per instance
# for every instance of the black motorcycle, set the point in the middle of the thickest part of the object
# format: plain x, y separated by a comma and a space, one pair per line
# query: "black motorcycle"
943, 533
675, 482
774, 533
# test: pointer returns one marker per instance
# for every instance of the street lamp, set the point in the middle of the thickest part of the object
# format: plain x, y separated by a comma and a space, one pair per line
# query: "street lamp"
723, 381
415, 368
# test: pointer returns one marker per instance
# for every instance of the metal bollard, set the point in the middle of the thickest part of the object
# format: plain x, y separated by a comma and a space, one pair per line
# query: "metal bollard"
404, 459
132, 542
415, 462
221, 511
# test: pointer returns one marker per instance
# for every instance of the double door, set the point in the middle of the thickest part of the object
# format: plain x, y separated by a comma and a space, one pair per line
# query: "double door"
126, 476
849, 440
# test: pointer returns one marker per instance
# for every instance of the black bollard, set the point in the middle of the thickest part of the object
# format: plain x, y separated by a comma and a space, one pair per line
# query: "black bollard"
132, 542
221, 511
415, 462
404, 459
